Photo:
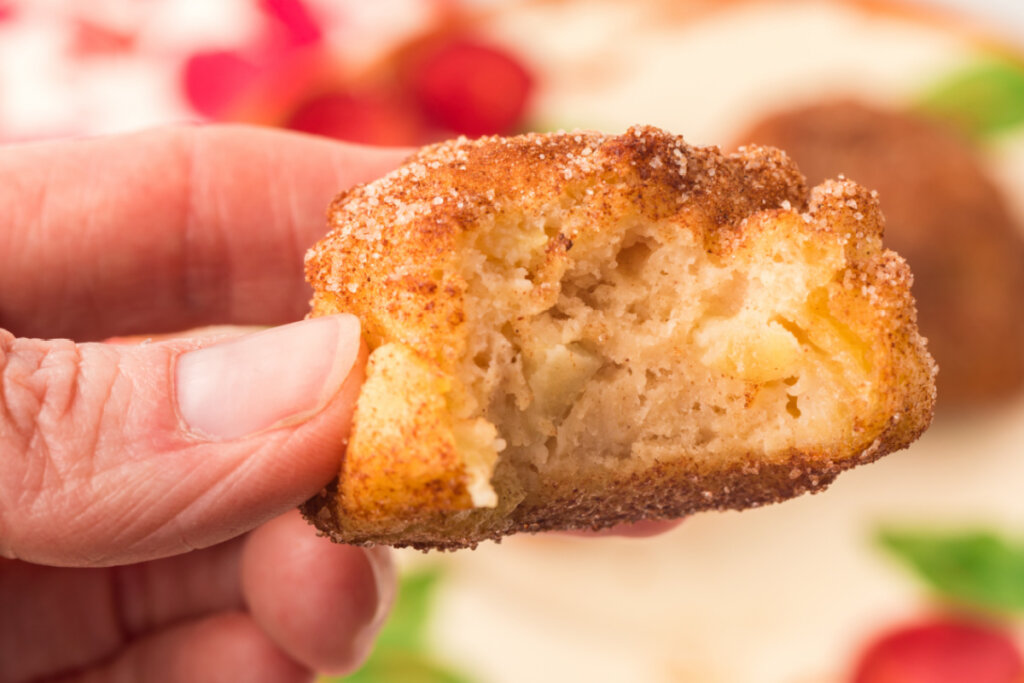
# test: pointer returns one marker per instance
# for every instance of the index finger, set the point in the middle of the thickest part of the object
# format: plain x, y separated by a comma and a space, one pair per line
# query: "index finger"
167, 229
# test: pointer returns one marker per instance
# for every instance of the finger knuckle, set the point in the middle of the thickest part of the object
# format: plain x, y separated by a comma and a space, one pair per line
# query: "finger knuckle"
38, 386
45, 441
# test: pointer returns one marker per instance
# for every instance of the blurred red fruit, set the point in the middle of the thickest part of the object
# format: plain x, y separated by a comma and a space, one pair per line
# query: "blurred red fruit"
471, 88
371, 119
296, 20
942, 651
214, 81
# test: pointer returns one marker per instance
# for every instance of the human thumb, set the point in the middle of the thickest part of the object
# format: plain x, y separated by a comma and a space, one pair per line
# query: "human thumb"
112, 454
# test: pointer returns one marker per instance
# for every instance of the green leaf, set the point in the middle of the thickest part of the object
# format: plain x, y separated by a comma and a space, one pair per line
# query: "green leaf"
407, 667
974, 568
983, 99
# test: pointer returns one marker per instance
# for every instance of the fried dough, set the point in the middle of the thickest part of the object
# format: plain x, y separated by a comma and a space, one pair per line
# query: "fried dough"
578, 330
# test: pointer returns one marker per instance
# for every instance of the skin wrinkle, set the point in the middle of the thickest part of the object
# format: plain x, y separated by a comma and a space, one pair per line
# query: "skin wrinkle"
16, 389
27, 483
62, 357
287, 443
252, 463
41, 478
120, 476
131, 509
37, 470
6, 345
68, 457
59, 370
222, 483
95, 436
128, 534
232, 477
179, 528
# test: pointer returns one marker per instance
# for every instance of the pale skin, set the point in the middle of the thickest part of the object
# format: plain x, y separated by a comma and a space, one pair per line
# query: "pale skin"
147, 524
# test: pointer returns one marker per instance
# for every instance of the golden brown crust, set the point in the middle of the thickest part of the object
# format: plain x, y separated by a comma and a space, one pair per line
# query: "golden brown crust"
398, 234
391, 259
665, 491
391, 477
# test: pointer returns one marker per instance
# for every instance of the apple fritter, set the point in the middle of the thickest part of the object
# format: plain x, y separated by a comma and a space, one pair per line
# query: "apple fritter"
579, 330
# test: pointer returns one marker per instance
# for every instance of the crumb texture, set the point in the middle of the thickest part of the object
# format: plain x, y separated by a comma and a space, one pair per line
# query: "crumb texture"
579, 330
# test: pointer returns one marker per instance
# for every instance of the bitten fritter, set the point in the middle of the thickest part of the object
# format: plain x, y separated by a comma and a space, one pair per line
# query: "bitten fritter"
945, 216
578, 330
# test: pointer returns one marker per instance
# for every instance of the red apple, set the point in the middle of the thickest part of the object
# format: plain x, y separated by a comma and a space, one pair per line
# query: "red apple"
295, 19
945, 650
215, 81
470, 88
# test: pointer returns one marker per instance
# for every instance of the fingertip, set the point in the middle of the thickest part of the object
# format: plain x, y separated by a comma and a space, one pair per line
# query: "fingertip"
321, 602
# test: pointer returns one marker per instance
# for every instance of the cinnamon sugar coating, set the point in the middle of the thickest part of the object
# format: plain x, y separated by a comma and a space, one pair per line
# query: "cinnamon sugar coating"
577, 330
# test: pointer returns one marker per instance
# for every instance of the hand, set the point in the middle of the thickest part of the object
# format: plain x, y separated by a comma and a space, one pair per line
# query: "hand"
115, 456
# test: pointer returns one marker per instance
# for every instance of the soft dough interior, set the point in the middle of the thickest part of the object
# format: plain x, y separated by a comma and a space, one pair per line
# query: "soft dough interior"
642, 344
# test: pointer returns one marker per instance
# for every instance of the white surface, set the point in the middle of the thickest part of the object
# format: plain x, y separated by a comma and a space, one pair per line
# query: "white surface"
783, 594
700, 78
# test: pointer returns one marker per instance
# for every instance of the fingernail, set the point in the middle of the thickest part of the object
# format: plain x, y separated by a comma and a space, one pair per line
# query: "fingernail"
272, 378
